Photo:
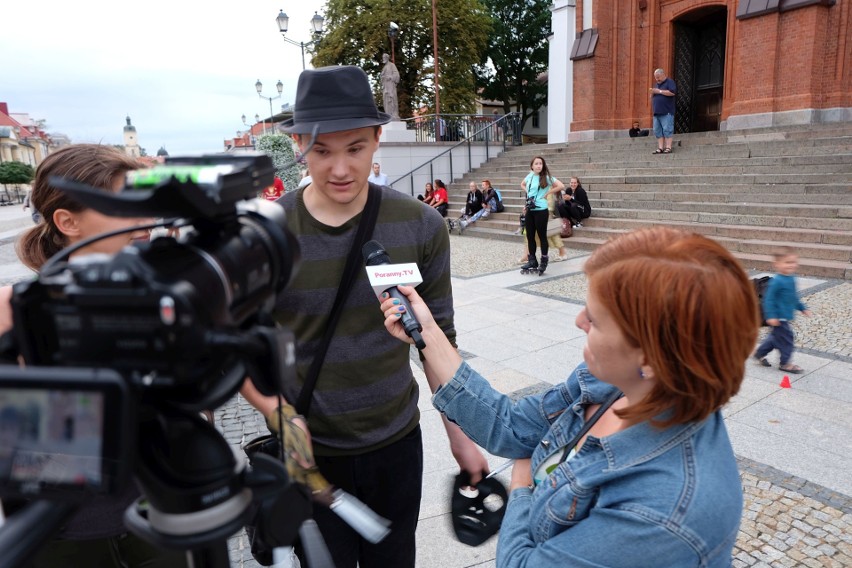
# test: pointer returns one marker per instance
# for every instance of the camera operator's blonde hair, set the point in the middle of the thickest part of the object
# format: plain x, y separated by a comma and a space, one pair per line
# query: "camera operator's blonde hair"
687, 303
93, 164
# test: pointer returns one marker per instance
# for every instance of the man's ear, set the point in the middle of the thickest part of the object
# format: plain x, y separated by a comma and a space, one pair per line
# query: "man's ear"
67, 222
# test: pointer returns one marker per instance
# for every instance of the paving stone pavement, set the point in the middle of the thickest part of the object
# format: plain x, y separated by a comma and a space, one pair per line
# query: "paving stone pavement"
787, 520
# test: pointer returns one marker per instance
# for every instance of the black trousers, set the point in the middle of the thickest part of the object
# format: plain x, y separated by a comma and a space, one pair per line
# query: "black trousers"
572, 211
389, 481
536, 224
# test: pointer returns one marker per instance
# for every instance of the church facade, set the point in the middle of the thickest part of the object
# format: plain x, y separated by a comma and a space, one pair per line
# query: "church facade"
737, 63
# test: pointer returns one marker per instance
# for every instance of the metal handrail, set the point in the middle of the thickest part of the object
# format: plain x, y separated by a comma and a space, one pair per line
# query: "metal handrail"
508, 124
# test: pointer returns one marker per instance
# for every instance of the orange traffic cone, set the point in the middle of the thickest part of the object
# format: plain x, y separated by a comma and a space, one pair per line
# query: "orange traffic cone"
785, 382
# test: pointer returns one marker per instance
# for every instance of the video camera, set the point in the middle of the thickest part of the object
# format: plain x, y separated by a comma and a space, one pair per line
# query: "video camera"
123, 351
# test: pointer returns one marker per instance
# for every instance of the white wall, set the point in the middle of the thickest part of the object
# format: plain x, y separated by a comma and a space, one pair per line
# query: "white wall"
560, 75
398, 159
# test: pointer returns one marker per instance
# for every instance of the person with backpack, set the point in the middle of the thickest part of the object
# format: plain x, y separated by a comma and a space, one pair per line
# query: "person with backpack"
780, 302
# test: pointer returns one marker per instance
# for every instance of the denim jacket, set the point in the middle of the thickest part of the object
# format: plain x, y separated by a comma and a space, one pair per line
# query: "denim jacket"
640, 497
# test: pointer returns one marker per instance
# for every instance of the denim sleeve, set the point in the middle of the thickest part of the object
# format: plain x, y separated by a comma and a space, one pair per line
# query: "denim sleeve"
608, 537
490, 418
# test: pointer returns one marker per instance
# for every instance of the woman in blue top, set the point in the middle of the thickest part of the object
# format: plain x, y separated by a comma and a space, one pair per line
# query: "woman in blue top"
627, 464
538, 185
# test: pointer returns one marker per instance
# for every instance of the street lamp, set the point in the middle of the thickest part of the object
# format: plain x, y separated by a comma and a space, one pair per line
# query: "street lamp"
249, 128
259, 87
393, 33
316, 32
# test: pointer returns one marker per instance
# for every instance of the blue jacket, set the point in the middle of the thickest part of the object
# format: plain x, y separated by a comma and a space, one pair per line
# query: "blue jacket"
781, 300
640, 497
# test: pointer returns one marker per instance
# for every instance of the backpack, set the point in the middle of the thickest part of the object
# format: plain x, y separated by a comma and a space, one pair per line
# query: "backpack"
500, 207
760, 286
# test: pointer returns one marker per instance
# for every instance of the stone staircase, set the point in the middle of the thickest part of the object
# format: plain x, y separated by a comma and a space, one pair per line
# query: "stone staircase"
750, 190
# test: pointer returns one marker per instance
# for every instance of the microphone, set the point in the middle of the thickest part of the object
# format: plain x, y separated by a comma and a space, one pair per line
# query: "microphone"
374, 255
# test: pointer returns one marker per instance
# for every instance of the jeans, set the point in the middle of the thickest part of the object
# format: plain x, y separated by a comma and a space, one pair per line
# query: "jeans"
663, 125
389, 480
780, 338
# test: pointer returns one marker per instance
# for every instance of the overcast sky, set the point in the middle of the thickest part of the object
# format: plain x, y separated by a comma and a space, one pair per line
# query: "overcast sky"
184, 71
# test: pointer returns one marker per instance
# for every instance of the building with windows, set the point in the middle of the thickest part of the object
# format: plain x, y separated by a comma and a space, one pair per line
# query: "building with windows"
737, 63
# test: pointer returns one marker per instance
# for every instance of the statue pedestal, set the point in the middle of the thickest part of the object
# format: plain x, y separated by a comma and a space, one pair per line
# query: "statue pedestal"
396, 131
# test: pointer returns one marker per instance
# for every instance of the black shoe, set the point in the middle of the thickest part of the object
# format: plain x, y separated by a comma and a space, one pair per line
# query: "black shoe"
762, 361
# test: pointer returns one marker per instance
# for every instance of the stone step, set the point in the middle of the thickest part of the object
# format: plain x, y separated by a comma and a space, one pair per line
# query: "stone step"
787, 221
586, 240
731, 208
744, 197
796, 235
751, 189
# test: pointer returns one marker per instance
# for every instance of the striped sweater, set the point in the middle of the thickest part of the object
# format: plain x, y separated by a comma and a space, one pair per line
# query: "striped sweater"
366, 396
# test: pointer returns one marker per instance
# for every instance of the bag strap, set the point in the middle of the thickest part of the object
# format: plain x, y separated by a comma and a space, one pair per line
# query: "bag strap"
589, 423
364, 233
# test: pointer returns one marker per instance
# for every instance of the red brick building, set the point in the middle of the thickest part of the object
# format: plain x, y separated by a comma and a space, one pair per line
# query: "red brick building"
737, 63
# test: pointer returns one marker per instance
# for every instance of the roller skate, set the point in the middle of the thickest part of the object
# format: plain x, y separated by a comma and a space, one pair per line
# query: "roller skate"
462, 225
451, 225
543, 266
530, 267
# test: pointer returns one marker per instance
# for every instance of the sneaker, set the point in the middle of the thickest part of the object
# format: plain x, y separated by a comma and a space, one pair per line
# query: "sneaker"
559, 257
763, 362
518, 232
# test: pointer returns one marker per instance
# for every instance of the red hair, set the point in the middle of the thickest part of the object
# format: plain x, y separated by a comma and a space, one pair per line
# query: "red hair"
688, 304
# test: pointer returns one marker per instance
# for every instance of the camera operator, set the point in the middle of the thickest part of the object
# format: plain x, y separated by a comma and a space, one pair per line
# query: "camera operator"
364, 419
95, 535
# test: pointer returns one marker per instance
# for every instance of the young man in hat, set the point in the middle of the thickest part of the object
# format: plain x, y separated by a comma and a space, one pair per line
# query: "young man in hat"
363, 420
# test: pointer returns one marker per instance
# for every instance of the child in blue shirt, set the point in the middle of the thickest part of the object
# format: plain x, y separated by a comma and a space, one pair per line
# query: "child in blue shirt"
780, 303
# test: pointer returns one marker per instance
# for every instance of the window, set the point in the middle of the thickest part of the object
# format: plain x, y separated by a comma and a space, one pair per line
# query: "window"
585, 44
535, 119
753, 8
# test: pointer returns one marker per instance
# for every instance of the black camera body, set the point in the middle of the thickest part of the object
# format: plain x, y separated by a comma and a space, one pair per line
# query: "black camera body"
177, 324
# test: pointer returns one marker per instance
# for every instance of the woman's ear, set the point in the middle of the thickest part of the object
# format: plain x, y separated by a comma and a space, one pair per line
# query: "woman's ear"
67, 222
646, 371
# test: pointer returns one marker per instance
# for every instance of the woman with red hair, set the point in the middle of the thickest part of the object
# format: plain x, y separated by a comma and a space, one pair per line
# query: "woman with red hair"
628, 462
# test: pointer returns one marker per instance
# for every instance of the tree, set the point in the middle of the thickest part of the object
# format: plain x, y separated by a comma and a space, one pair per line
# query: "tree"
357, 35
517, 54
16, 173
279, 147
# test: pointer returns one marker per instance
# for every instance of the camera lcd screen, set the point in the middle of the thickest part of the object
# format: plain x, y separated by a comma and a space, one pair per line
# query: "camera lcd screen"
61, 432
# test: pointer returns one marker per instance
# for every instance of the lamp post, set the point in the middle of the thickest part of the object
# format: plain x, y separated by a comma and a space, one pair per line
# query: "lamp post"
241, 133
435, 56
393, 33
316, 32
259, 87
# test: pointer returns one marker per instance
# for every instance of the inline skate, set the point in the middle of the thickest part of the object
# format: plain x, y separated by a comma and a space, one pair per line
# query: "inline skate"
543, 266
531, 266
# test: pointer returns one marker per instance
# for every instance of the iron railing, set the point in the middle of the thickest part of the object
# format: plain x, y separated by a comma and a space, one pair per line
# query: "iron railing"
457, 127
464, 129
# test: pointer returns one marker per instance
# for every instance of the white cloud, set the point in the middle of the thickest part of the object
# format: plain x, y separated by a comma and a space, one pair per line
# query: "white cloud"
184, 71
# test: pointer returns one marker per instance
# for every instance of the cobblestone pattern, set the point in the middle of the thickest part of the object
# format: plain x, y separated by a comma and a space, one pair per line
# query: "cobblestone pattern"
827, 333
787, 521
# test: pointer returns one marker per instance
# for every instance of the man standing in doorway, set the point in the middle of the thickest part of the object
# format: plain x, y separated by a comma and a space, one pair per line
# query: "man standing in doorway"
663, 103
364, 419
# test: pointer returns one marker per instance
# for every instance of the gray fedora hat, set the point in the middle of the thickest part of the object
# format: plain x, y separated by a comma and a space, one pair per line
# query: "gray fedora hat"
335, 98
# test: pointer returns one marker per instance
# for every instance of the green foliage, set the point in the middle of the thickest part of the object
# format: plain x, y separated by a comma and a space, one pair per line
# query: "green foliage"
279, 147
517, 54
16, 173
357, 35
